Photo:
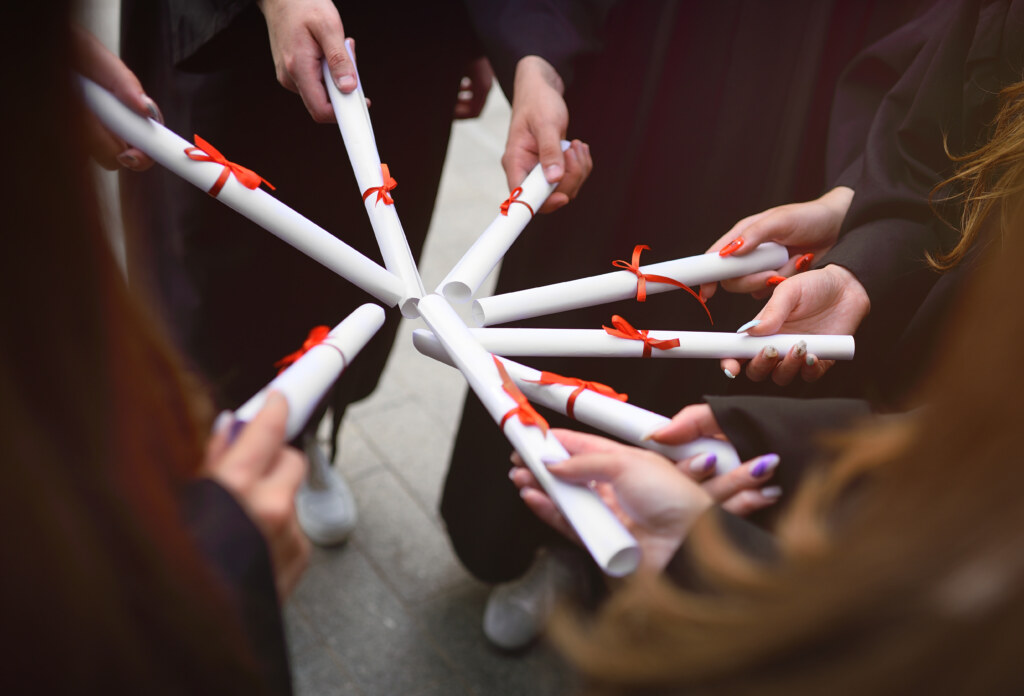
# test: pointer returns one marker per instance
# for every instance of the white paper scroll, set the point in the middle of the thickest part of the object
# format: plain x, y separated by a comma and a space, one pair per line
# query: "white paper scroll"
257, 205
622, 420
610, 544
621, 285
354, 123
591, 343
490, 247
307, 380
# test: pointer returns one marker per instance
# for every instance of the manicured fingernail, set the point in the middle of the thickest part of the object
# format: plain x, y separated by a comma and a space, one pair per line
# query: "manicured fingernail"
811, 360
772, 492
236, 429
729, 374
128, 160
512, 474
550, 461
222, 420
153, 109
800, 349
804, 262
704, 463
522, 492
749, 325
769, 353
774, 280
732, 247
765, 465
553, 172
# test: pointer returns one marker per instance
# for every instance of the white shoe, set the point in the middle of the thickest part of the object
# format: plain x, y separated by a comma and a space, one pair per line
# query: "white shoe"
518, 611
324, 503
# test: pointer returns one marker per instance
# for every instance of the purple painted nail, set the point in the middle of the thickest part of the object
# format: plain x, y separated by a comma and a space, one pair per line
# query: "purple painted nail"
764, 465
704, 464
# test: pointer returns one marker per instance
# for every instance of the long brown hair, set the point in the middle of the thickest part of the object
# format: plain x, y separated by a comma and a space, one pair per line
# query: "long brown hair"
103, 589
909, 581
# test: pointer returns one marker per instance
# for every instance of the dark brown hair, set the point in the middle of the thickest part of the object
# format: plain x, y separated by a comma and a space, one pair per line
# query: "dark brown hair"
912, 581
103, 588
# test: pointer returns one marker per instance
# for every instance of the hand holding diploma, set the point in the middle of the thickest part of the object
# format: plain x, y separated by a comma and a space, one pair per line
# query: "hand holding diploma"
375, 183
611, 546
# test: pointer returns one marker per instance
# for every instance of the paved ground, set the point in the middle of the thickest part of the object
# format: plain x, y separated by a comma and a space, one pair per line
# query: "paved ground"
392, 612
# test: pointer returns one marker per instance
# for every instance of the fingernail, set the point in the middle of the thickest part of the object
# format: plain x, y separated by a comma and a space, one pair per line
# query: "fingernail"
772, 492
512, 474
729, 374
774, 280
346, 82
749, 325
236, 429
522, 492
811, 360
800, 348
222, 420
548, 461
552, 172
804, 262
128, 160
770, 353
731, 247
764, 465
153, 109
704, 463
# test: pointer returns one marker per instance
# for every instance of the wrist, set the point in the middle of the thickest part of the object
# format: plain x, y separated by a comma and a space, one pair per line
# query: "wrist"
531, 70
838, 200
852, 289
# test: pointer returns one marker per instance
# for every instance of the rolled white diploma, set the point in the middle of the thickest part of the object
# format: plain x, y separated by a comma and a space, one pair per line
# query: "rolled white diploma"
491, 246
590, 343
619, 419
621, 285
168, 149
611, 545
305, 382
357, 132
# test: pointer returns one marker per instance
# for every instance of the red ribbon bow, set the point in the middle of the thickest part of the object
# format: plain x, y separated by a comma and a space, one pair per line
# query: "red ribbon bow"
581, 385
524, 411
624, 330
382, 190
205, 152
316, 336
642, 278
514, 198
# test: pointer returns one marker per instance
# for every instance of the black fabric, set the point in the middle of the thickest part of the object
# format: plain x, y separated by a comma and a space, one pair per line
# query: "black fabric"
238, 556
235, 297
748, 538
697, 114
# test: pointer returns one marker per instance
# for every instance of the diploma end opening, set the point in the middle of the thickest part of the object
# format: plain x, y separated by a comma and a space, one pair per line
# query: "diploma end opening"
623, 562
457, 291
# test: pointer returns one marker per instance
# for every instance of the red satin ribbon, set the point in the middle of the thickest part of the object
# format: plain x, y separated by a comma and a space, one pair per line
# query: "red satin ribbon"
581, 385
382, 190
624, 330
514, 198
642, 278
316, 336
205, 152
523, 410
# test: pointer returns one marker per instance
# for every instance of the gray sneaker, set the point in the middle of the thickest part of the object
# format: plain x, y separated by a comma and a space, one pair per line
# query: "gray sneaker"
324, 503
518, 611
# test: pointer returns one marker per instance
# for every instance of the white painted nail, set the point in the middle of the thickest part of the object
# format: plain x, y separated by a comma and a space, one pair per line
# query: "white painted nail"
772, 492
749, 325
729, 374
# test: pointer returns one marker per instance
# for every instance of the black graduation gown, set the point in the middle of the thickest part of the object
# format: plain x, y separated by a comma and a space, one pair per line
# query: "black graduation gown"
236, 298
698, 114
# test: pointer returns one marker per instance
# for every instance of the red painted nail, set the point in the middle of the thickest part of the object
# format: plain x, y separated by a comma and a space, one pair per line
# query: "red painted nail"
774, 280
804, 262
731, 247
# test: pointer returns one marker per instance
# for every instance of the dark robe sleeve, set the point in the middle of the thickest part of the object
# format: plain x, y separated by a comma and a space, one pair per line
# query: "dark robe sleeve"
747, 537
559, 31
239, 558
194, 23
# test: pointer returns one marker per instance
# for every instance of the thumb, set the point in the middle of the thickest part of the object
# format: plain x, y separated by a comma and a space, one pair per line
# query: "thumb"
779, 308
339, 53
549, 149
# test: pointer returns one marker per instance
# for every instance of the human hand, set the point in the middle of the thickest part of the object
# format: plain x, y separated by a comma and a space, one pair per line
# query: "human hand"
101, 66
302, 33
263, 473
827, 300
538, 125
805, 229
740, 491
474, 88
